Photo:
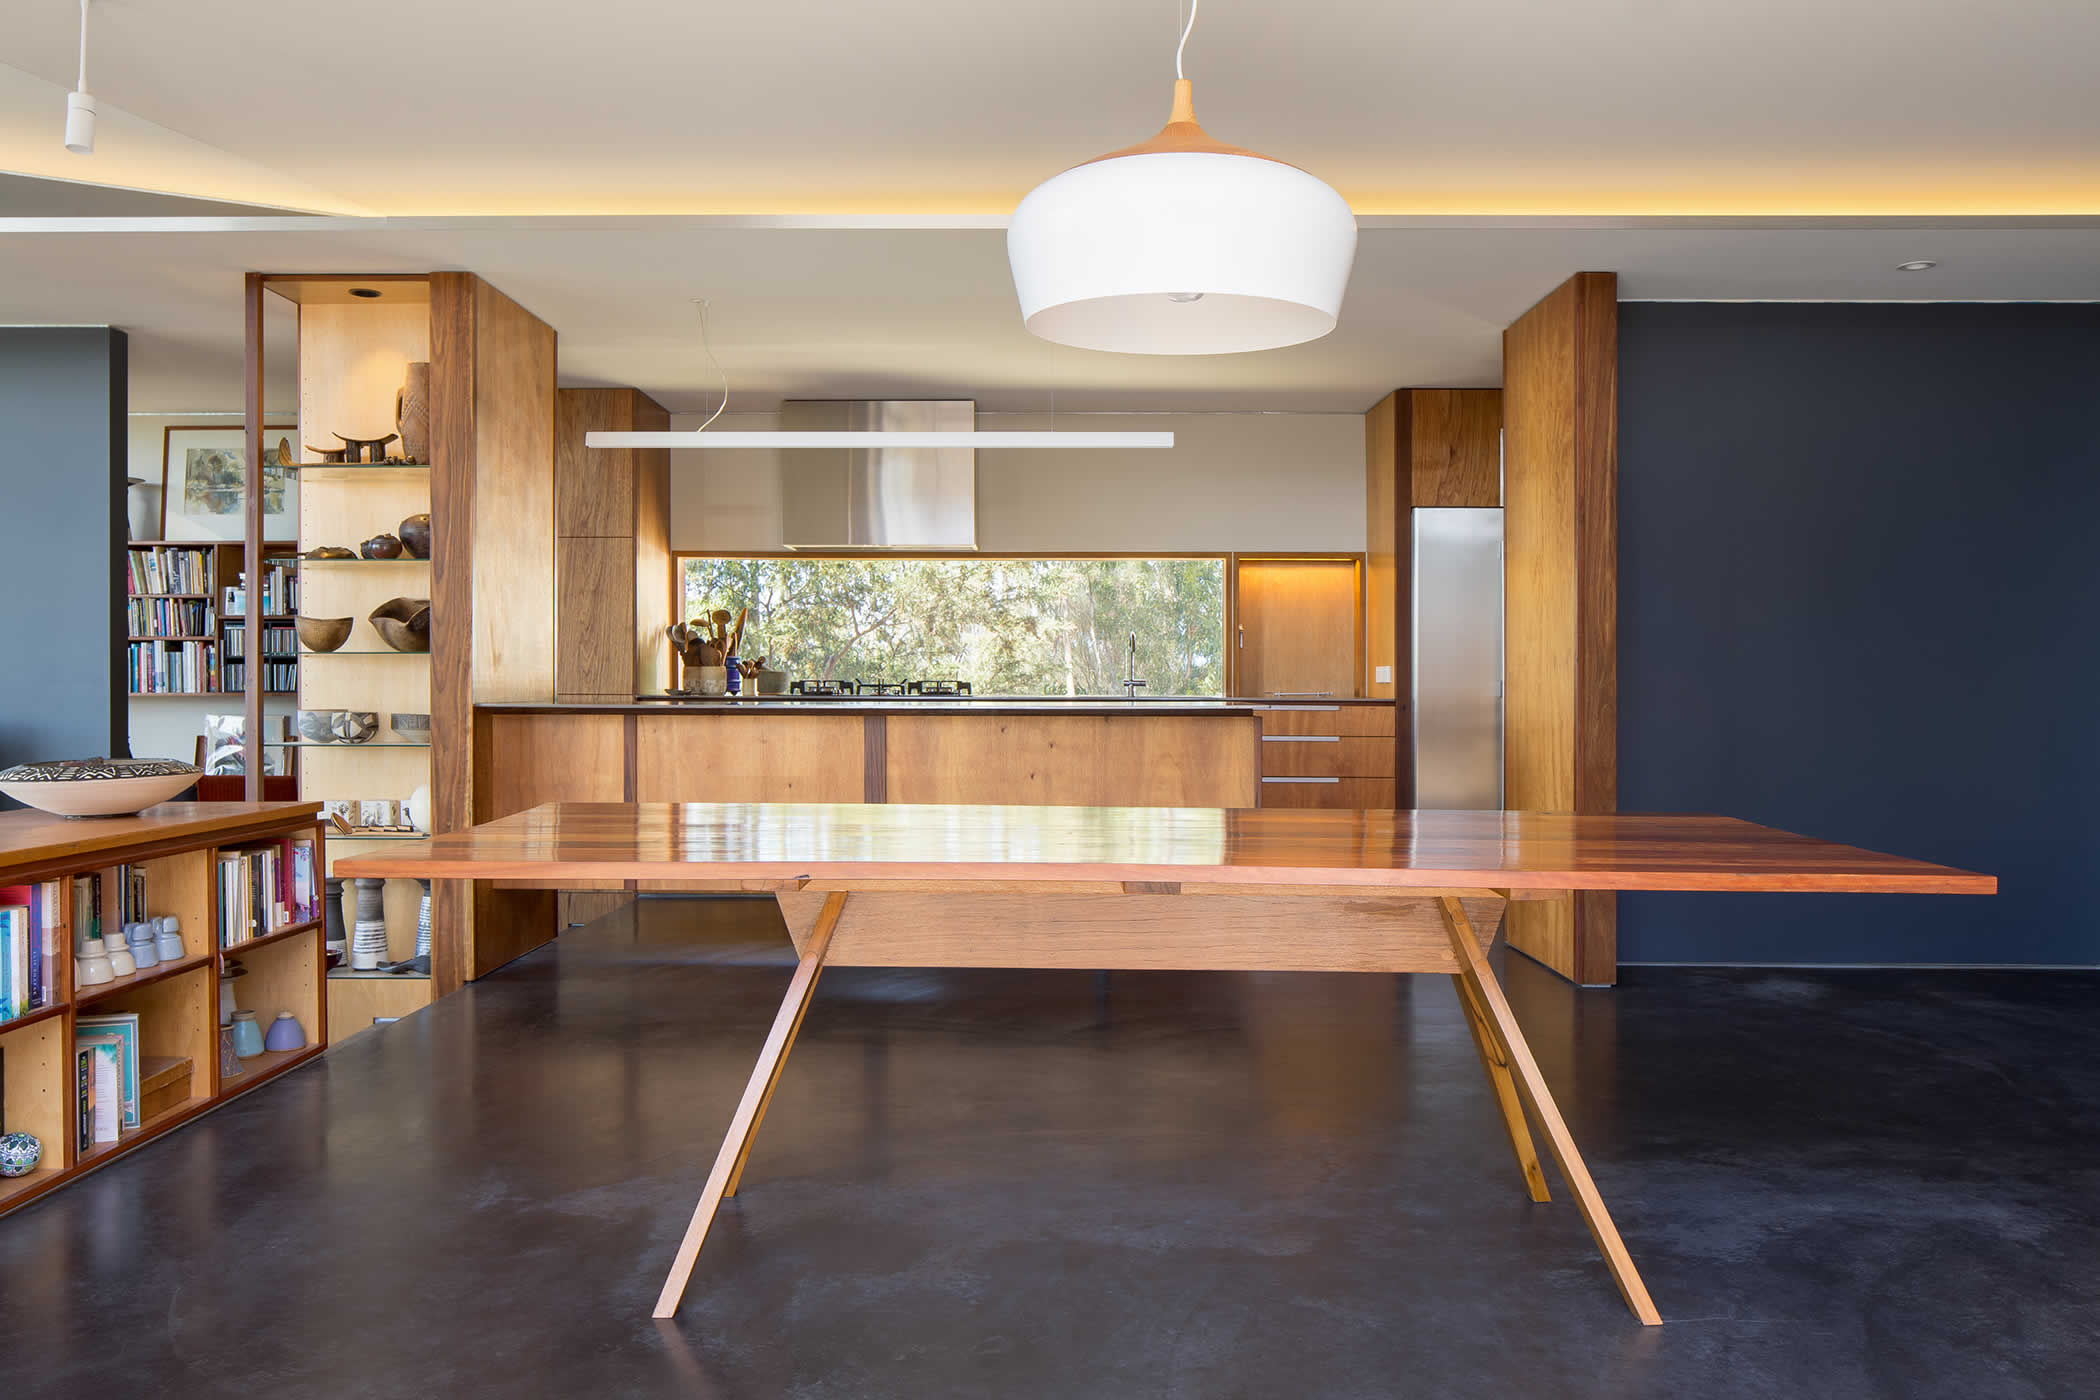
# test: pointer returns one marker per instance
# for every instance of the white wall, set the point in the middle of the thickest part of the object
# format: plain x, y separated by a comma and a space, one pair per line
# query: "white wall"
1232, 481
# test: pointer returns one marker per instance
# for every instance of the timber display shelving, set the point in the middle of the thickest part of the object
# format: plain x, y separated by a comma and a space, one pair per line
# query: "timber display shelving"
354, 354
177, 845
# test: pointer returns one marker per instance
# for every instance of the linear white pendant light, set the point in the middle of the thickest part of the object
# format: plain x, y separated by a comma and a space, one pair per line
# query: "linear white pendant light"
1181, 246
702, 438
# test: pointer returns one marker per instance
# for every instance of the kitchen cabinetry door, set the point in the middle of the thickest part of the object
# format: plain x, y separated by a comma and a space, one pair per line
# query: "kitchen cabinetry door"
1299, 627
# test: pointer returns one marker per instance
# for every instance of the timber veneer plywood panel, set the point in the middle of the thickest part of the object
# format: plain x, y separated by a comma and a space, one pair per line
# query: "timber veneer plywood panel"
1071, 760
1349, 721
1327, 758
1385, 592
1347, 794
525, 760
749, 758
1560, 592
1298, 621
1455, 447
353, 357
594, 617
594, 488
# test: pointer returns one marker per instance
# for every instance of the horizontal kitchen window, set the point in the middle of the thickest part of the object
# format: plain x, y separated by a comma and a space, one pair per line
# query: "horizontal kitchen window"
1007, 626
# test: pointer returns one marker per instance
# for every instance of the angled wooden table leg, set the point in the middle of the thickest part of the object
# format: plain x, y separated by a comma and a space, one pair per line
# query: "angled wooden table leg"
1479, 979
751, 1108
1491, 1060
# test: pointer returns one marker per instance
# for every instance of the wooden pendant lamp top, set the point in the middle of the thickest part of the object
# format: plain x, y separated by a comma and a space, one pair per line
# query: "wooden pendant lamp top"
1181, 135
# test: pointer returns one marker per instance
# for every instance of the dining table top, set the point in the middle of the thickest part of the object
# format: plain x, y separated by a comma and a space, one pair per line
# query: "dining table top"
881, 843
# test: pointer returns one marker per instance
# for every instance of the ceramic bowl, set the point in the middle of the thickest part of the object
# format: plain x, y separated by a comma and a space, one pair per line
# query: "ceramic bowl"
285, 1033
325, 633
19, 1154
97, 787
381, 547
355, 726
330, 551
772, 682
317, 726
413, 728
415, 536
403, 623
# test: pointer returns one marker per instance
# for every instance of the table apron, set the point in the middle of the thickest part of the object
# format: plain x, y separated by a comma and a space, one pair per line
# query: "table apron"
1169, 932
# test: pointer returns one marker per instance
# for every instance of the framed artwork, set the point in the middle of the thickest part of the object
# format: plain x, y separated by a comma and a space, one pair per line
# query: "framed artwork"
204, 472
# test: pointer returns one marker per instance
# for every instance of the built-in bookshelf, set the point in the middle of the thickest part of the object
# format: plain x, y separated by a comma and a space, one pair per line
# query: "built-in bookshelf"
185, 620
245, 872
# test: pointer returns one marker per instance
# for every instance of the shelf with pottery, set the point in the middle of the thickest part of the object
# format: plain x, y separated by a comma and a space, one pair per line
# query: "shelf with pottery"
166, 974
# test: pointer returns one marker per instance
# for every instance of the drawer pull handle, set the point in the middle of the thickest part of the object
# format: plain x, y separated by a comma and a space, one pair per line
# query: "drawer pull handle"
1301, 780
1301, 738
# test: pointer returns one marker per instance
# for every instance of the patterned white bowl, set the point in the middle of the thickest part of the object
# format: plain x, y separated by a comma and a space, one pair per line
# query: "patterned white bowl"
97, 787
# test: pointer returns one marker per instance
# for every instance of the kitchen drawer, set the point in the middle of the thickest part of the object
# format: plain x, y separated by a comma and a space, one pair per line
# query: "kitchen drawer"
1344, 721
1348, 794
1324, 756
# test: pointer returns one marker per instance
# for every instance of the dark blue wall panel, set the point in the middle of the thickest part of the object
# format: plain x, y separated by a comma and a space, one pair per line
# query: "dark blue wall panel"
1859, 597
62, 469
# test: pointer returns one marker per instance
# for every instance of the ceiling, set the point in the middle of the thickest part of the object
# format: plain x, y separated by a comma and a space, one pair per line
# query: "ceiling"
1493, 106
929, 311
834, 175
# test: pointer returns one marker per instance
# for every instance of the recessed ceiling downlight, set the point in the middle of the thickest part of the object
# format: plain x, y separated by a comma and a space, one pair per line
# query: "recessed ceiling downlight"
1921, 265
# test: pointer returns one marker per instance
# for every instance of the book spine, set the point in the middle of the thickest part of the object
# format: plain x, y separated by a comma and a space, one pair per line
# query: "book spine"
33, 936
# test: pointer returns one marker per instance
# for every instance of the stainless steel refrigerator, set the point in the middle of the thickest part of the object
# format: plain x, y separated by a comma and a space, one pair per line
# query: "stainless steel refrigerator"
1457, 663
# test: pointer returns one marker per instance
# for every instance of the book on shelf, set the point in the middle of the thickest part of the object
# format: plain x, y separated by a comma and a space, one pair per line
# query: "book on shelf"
29, 922
100, 1061
173, 668
280, 592
124, 1025
266, 888
84, 1061
167, 569
178, 619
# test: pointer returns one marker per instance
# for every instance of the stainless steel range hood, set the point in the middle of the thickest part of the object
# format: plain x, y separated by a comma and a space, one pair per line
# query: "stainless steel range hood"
879, 497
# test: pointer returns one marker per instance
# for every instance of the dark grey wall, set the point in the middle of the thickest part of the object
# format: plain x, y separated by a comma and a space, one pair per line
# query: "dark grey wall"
1859, 597
62, 469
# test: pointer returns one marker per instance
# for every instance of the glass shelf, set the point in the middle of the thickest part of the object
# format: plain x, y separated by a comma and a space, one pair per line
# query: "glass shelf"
367, 744
358, 466
304, 563
334, 835
362, 651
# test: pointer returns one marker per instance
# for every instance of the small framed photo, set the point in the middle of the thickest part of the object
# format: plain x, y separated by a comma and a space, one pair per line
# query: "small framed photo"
340, 809
204, 476
378, 814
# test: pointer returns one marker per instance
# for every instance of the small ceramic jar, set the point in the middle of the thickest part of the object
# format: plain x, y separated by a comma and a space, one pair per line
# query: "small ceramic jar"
167, 938
140, 937
92, 967
709, 680
19, 1154
120, 959
247, 1036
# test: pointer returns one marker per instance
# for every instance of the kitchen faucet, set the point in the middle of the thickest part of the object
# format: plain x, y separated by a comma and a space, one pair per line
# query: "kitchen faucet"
1130, 680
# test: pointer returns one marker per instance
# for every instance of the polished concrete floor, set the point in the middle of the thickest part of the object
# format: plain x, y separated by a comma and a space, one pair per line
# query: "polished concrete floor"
1070, 1185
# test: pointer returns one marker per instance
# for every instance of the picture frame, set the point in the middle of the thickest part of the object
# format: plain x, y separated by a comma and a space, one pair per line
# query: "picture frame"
203, 483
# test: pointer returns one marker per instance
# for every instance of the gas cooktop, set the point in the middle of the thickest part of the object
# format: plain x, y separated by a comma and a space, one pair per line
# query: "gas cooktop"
886, 690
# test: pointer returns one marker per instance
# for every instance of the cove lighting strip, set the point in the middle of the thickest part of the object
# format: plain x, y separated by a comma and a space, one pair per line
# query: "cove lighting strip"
701, 438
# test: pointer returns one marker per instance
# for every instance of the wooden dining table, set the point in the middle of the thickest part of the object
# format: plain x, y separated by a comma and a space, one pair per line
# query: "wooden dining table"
1187, 889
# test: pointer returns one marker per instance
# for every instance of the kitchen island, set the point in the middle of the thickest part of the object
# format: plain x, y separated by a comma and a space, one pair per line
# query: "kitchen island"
1084, 752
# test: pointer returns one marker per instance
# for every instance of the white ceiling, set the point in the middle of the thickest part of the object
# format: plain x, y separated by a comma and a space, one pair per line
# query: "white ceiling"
834, 174
847, 312
696, 106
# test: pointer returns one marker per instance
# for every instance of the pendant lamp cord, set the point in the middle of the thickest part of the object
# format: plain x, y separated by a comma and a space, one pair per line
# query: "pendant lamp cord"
1178, 74
82, 85
709, 351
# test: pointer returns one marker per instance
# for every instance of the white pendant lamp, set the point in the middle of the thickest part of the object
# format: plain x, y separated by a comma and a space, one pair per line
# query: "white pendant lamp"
1181, 246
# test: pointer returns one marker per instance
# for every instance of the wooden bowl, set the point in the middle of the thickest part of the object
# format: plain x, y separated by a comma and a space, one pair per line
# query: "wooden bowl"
403, 623
325, 633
